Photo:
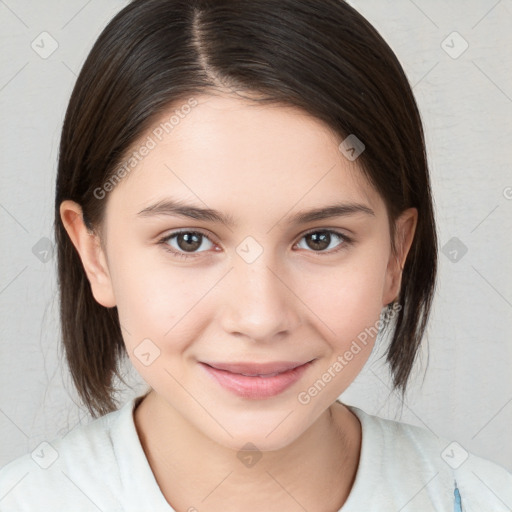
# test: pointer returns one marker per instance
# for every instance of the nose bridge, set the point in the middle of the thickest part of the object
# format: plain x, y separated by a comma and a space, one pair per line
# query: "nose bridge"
259, 304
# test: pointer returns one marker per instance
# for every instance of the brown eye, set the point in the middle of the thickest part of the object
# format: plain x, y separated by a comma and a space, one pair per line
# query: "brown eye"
321, 240
183, 243
188, 242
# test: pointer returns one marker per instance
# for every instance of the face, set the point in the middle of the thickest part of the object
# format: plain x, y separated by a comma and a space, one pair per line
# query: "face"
291, 302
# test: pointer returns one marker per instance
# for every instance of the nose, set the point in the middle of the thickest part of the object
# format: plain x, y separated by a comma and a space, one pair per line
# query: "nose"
259, 302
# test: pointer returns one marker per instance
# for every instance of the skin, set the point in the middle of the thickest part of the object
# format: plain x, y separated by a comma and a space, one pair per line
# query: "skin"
295, 302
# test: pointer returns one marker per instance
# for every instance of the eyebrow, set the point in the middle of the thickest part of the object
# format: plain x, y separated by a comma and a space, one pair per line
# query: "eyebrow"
180, 209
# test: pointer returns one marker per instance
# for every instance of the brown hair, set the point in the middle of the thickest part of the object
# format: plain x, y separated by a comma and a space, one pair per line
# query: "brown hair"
323, 57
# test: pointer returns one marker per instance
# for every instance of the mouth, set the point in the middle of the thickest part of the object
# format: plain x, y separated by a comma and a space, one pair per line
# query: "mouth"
256, 380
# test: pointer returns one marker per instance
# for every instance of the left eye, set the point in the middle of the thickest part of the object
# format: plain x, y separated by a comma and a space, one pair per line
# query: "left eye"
320, 240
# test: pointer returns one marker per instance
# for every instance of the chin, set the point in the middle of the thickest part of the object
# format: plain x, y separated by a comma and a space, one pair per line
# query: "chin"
258, 439
267, 431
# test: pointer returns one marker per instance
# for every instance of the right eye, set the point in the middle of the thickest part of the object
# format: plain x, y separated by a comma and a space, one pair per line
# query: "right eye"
186, 243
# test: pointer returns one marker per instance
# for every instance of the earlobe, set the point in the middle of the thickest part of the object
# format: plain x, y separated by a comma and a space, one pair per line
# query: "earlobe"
404, 236
90, 251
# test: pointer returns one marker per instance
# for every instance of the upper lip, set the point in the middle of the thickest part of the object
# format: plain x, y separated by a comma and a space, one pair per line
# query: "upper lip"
253, 369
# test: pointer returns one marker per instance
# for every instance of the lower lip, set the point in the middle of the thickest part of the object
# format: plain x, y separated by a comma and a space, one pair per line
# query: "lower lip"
256, 388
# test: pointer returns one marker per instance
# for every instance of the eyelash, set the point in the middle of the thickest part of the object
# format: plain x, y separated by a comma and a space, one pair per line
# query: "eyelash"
182, 255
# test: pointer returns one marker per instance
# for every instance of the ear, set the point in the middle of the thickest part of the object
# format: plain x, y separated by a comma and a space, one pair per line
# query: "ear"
88, 246
404, 235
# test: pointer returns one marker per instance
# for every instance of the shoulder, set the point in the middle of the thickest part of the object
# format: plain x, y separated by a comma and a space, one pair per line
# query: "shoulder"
79, 468
435, 465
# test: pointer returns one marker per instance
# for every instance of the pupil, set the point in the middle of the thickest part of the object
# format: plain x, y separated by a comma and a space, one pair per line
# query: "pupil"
192, 239
320, 240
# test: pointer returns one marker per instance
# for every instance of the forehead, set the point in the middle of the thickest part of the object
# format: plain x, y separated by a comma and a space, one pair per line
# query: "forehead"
233, 154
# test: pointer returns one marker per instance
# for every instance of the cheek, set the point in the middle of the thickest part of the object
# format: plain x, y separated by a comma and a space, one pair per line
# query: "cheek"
153, 299
163, 308
348, 297
347, 301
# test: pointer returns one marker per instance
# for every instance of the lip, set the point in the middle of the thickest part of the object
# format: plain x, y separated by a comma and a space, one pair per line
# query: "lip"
256, 381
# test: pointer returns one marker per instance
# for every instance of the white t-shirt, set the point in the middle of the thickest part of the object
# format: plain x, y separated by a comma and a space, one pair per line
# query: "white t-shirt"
102, 466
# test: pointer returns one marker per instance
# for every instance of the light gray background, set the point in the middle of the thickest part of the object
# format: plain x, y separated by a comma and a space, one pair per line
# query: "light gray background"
466, 105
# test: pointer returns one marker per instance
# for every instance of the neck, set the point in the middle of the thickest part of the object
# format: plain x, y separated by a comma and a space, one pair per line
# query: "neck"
315, 472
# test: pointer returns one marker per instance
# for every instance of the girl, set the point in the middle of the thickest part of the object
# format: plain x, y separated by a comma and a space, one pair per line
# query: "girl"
242, 204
